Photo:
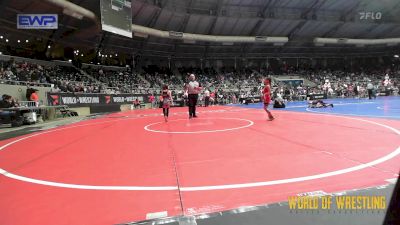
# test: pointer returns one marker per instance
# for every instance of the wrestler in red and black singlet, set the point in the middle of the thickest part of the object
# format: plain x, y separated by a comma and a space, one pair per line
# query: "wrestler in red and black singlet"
267, 97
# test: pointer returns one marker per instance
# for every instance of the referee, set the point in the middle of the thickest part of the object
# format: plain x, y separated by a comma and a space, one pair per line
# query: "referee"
193, 89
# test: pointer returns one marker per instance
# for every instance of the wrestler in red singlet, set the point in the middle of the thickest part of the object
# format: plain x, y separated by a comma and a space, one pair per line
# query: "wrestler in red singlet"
267, 97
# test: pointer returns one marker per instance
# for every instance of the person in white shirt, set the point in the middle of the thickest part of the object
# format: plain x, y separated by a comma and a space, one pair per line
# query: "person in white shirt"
192, 89
370, 88
206, 98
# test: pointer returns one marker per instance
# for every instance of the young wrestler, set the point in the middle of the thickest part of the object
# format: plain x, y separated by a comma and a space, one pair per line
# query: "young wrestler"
267, 97
166, 101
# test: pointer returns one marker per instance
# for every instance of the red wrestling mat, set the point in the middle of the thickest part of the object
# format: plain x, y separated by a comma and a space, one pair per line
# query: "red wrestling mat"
131, 166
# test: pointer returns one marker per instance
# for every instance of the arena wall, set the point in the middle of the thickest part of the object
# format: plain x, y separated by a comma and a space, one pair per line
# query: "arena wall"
19, 92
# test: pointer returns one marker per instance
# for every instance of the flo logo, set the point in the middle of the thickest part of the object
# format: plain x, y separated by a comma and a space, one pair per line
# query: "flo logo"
370, 15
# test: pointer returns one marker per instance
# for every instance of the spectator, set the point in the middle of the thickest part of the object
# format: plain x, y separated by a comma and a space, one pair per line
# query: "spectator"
8, 116
152, 100
370, 88
35, 97
206, 98
279, 102
136, 103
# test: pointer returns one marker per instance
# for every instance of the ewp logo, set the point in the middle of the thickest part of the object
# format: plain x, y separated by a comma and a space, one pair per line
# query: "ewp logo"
37, 21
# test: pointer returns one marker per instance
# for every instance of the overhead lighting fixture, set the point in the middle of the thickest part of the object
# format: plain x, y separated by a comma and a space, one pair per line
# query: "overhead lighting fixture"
48, 46
396, 56
73, 14
18, 41
1, 37
137, 34
98, 63
116, 54
81, 54
189, 41
260, 38
110, 56
69, 60
175, 34
6, 40
26, 41
1, 53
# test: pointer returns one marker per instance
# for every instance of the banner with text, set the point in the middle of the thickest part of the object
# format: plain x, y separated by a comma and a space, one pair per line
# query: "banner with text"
84, 99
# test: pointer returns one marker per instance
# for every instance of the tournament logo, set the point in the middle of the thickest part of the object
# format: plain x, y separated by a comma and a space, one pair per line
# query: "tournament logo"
108, 99
37, 21
54, 99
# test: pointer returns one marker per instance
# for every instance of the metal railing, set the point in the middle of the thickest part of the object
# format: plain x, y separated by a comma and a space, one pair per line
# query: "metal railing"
24, 83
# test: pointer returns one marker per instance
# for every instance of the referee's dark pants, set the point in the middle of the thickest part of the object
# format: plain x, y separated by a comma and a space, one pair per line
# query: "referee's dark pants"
370, 93
207, 101
192, 98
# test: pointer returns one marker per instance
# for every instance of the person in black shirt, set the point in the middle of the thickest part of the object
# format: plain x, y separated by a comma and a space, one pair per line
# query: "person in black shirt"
7, 116
319, 104
6, 102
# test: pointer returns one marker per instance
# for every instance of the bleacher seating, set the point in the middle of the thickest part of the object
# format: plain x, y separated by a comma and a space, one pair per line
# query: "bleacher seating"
227, 83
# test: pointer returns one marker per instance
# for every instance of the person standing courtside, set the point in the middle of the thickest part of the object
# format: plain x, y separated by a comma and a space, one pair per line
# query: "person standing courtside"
35, 97
206, 98
193, 89
370, 88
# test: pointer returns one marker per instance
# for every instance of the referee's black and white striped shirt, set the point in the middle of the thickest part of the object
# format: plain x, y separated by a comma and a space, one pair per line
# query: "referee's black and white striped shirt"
192, 87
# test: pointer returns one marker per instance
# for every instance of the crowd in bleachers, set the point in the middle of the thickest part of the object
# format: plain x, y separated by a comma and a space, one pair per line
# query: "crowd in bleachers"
342, 84
60, 78
27, 72
226, 85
